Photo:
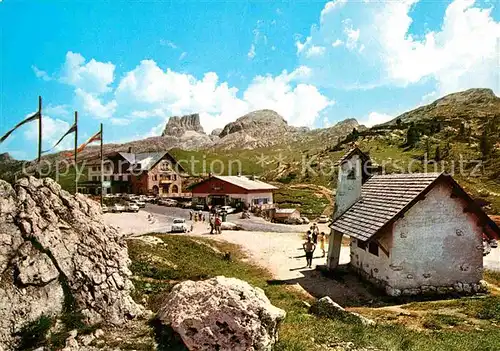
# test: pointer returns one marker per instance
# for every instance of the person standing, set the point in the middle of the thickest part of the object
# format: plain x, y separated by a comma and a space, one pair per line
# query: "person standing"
315, 228
211, 219
314, 237
309, 248
218, 224
322, 239
190, 215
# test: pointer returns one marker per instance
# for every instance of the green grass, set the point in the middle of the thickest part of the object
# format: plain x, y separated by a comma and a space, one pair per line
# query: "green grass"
311, 204
300, 331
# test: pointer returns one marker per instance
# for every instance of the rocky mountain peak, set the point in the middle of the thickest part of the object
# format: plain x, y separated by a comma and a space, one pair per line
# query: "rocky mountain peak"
5, 157
256, 122
178, 126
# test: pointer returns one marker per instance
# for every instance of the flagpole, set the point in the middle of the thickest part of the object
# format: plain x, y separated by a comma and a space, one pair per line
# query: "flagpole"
76, 147
102, 167
39, 134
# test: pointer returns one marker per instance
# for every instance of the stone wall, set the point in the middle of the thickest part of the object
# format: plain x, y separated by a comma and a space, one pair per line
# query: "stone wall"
437, 244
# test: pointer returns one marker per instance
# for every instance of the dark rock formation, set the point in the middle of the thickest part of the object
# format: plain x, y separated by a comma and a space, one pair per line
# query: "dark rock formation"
178, 126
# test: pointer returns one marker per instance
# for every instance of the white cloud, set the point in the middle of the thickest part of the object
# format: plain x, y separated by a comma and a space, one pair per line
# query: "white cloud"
93, 76
183, 55
92, 105
375, 118
168, 43
58, 110
337, 42
120, 121
52, 130
165, 93
300, 46
315, 51
41, 74
331, 6
251, 52
351, 34
461, 54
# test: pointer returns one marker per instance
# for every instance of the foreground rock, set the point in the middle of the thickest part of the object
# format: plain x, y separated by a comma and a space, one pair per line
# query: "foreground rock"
222, 314
57, 256
326, 307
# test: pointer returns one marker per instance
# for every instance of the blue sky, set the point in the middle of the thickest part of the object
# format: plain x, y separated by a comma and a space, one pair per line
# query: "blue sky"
131, 65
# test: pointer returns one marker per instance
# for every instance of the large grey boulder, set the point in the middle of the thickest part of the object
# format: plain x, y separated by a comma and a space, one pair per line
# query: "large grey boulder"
55, 248
222, 314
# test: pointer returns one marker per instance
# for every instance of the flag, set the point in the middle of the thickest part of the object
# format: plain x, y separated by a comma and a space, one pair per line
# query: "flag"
29, 119
95, 137
71, 130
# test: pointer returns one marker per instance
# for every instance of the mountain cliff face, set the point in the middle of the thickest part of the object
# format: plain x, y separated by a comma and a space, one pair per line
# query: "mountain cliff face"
256, 122
178, 126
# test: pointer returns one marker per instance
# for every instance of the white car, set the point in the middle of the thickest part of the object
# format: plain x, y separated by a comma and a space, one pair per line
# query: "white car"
305, 220
105, 209
141, 204
323, 219
117, 208
179, 226
167, 202
131, 207
227, 209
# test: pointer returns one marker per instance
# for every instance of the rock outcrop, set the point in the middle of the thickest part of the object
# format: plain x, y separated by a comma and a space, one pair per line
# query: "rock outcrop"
178, 126
257, 122
223, 314
58, 257
326, 307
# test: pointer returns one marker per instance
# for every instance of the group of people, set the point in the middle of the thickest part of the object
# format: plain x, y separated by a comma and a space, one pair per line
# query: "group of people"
313, 237
214, 219
197, 216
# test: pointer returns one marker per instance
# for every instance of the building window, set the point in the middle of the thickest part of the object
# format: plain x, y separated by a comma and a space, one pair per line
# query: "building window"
373, 248
361, 245
94, 168
351, 174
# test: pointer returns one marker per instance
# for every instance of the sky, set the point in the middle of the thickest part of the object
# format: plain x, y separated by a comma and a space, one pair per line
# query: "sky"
132, 64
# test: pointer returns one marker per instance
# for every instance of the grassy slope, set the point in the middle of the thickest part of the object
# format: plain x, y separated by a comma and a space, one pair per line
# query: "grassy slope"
154, 275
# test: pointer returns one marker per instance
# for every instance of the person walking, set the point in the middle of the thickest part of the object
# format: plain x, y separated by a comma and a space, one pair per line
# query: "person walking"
314, 237
309, 248
322, 239
211, 219
190, 215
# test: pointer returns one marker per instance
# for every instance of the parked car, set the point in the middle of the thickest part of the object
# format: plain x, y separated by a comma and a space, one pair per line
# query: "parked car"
140, 203
105, 209
305, 220
186, 204
323, 219
117, 208
132, 207
167, 202
292, 220
227, 209
199, 207
493, 243
179, 226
